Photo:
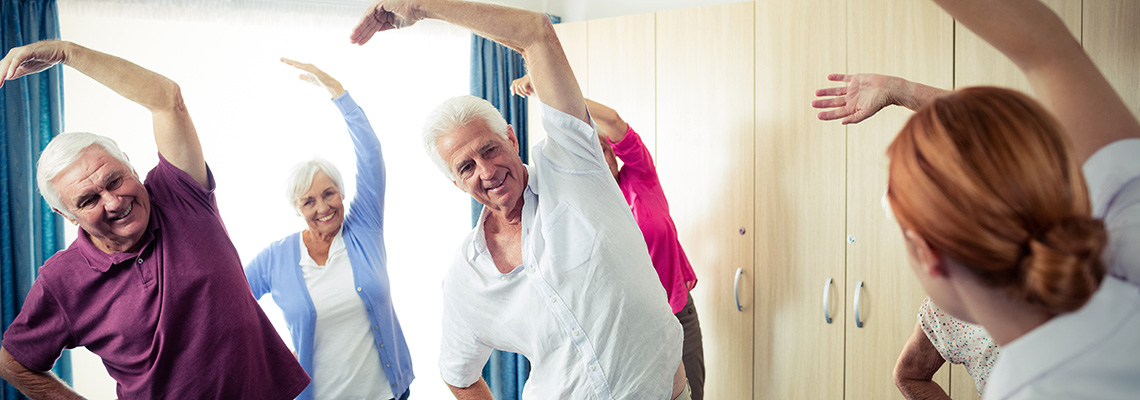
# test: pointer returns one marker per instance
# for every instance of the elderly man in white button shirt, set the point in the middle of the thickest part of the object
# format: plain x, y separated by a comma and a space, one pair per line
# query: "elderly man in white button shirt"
556, 268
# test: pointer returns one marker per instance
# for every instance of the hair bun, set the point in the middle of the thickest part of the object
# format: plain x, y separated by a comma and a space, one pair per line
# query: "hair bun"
1063, 268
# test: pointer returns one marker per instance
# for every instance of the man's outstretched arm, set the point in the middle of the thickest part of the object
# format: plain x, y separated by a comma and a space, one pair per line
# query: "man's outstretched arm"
174, 132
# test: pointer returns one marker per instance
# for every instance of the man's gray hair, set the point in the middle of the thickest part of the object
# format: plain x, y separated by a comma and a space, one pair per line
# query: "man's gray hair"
453, 114
63, 151
301, 179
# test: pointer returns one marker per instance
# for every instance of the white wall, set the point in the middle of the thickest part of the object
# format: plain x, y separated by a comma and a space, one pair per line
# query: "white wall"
256, 119
581, 10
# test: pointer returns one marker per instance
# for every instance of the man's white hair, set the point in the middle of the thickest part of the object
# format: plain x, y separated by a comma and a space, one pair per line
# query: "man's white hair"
63, 151
301, 179
454, 113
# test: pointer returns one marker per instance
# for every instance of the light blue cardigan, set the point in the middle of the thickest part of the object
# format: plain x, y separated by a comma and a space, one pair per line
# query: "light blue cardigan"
277, 268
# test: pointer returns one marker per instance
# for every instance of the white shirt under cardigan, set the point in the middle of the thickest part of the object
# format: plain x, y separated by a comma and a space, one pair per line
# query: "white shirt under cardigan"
342, 342
585, 307
1093, 353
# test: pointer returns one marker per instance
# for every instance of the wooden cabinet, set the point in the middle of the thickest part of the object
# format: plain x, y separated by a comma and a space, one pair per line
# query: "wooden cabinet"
705, 162
800, 204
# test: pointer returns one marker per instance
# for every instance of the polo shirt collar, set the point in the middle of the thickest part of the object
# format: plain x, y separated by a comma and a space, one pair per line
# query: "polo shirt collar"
102, 262
1023, 361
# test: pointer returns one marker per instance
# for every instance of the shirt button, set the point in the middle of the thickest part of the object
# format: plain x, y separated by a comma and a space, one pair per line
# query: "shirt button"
531, 269
592, 367
140, 260
375, 327
575, 332
504, 277
381, 345
552, 299
387, 365
359, 289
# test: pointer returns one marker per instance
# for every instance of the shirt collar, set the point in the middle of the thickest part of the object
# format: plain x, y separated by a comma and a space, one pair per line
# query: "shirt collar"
479, 240
1023, 361
336, 248
102, 262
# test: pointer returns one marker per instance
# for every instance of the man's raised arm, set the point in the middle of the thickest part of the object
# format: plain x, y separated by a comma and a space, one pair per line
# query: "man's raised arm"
527, 32
174, 132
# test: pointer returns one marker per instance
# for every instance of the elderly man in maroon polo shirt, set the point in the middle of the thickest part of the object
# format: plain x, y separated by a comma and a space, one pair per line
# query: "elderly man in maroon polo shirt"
152, 285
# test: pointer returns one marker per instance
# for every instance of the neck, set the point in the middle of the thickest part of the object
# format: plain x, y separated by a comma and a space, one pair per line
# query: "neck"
112, 248
1005, 318
317, 237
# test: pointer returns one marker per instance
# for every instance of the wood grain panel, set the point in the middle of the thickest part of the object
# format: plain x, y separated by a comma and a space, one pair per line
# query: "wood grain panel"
622, 65
977, 63
1112, 40
914, 40
705, 160
800, 203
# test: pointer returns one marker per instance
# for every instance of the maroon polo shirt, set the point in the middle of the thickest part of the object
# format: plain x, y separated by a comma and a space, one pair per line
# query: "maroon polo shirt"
175, 320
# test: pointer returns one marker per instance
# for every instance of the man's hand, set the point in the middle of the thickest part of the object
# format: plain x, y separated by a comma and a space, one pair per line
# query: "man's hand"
522, 86
32, 58
317, 77
383, 15
864, 95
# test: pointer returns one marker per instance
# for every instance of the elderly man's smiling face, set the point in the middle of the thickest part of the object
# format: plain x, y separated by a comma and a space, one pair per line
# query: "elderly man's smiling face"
486, 165
106, 198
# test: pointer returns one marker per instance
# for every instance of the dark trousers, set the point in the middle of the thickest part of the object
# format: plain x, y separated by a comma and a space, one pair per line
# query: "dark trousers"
693, 351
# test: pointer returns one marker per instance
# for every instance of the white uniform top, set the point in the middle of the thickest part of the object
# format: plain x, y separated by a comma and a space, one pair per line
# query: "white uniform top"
1113, 177
346, 364
585, 307
1093, 353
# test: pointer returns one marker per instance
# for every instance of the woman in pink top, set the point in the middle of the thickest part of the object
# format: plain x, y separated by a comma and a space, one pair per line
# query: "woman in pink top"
637, 178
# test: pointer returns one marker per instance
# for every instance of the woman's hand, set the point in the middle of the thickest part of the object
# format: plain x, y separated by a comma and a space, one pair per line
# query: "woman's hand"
383, 15
864, 95
317, 77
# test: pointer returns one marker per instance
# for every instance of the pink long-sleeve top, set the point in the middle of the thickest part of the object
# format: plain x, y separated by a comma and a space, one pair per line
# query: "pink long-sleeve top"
638, 181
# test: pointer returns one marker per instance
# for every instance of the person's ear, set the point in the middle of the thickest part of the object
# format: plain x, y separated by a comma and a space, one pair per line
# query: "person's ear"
926, 256
73, 221
513, 139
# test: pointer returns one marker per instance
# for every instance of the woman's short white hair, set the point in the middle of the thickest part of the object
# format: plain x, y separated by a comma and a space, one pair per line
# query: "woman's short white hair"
301, 179
63, 151
453, 114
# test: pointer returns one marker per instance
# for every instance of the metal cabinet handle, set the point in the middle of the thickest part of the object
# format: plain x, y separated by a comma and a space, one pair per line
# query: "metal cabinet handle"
736, 288
858, 289
826, 301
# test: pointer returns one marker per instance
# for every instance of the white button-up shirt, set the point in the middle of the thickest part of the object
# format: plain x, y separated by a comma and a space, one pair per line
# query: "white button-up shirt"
585, 307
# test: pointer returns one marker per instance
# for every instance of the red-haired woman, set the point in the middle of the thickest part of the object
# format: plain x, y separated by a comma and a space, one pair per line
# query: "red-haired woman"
1001, 228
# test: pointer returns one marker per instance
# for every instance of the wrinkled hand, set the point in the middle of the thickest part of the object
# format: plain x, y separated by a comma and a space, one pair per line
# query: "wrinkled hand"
864, 95
522, 86
316, 76
30, 59
383, 15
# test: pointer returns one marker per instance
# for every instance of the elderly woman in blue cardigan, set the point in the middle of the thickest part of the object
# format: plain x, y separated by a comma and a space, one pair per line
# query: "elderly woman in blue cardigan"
331, 279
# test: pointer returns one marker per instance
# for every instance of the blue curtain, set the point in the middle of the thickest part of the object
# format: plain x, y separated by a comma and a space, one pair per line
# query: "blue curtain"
31, 113
493, 68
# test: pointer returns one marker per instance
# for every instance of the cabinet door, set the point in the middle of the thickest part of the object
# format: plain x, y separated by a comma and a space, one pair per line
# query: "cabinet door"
574, 44
800, 204
914, 40
705, 161
621, 61
1112, 39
